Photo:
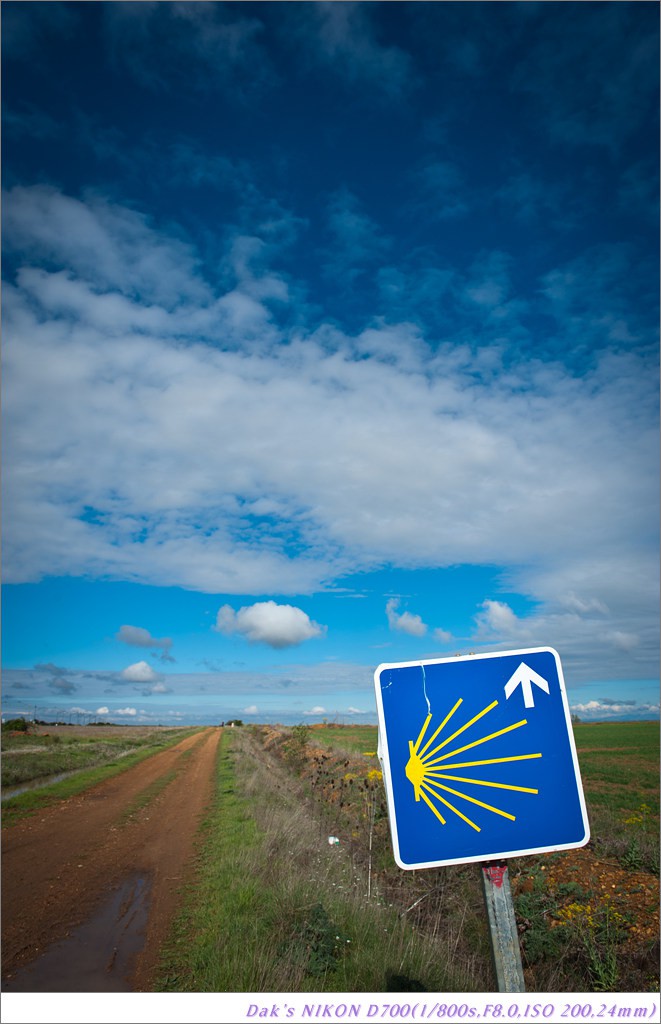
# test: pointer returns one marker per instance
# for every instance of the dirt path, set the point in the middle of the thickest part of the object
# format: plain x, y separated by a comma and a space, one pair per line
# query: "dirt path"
62, 863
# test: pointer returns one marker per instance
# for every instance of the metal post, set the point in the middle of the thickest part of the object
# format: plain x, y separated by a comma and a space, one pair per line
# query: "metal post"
502, 927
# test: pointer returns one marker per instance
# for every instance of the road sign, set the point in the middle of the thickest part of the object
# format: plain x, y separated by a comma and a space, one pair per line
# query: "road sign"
478, 758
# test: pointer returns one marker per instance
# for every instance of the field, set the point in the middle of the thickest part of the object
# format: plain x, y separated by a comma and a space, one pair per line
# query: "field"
52, 750
291, 883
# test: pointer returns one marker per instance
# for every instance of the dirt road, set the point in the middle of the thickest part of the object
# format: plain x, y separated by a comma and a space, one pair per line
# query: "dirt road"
103, 870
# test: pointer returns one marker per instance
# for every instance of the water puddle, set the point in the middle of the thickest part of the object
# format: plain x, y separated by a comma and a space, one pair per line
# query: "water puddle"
99, 955
25, 787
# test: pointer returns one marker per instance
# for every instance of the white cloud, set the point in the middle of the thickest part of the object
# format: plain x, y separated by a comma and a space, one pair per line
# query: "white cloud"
102, 711
443, 635
140, 672
251, 710
615, 709
498, 620
406, 622
156, 688
126, 711
136, 636
625, 641
356, 711
318, 710
173, 434
583, 605
278, 625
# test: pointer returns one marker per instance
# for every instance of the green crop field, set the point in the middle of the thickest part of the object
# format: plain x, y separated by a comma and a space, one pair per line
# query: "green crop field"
619, 763
361, 739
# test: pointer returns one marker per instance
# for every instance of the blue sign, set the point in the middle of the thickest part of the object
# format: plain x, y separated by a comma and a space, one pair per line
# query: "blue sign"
478, 758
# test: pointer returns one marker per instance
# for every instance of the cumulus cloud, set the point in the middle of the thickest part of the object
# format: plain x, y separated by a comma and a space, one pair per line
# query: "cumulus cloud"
126, 711
318, 710
137, 636
278, 625
140, 672
251, 710
102, 711
406, 622
499, 621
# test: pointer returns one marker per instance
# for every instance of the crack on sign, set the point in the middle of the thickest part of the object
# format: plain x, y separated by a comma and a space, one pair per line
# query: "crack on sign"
424, 689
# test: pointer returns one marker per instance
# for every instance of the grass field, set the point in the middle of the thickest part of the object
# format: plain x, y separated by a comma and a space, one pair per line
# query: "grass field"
84, 754
354, 738
619, 763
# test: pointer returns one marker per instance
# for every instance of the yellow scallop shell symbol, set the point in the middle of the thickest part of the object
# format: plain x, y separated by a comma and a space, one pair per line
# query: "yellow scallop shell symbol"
428, 771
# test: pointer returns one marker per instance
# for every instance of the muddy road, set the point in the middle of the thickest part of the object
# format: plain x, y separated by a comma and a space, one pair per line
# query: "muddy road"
90, 884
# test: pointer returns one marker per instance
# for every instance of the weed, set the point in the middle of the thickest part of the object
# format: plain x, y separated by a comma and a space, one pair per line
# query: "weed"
316, 942
295, 748
599, 929
570, 889
632, 858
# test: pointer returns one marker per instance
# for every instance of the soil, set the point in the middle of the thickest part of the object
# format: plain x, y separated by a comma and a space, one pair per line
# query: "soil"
632, 895
64, 864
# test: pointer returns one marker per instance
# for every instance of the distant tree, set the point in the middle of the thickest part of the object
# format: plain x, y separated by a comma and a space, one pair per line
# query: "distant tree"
15, 725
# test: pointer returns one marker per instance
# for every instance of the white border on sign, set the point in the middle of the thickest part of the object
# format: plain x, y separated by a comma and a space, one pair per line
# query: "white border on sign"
384, 758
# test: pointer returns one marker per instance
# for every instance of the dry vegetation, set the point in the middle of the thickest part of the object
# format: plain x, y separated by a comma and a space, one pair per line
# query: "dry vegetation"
588, 919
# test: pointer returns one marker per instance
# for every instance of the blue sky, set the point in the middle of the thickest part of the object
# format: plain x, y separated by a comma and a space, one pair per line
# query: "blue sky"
330, 339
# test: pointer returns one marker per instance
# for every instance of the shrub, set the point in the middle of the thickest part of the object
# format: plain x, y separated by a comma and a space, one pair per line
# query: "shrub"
15, 725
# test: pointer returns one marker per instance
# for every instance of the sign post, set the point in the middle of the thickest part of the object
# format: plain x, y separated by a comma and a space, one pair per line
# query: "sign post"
479, 764
502, 928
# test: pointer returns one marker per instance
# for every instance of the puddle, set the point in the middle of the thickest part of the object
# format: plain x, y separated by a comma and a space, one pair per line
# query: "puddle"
48, 780
97, 956
25, 787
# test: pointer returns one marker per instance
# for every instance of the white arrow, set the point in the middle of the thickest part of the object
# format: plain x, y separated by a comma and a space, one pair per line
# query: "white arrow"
524, 677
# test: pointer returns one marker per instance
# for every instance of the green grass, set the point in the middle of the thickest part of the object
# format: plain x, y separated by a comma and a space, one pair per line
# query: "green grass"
619, 763
274, 908
355, 738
